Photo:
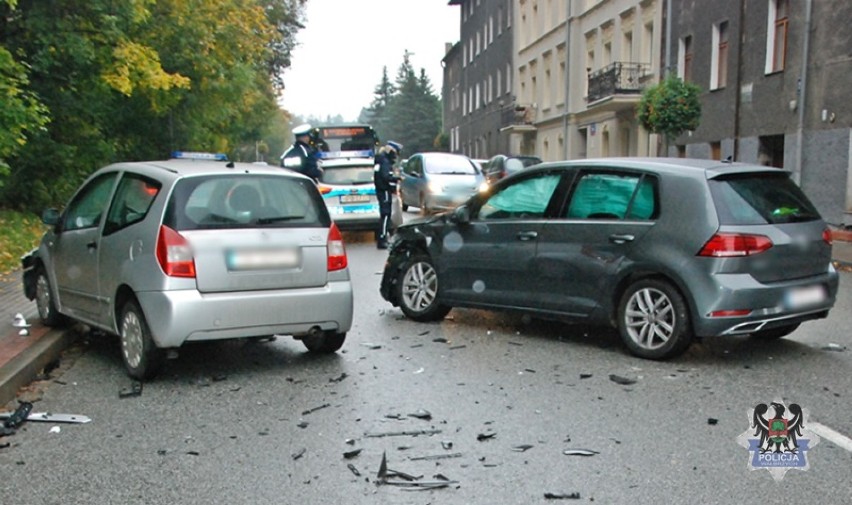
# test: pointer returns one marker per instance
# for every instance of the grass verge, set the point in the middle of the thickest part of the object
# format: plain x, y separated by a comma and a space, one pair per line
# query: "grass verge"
19, 233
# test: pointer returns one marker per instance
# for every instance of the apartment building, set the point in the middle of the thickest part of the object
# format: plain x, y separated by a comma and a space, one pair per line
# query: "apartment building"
774, 76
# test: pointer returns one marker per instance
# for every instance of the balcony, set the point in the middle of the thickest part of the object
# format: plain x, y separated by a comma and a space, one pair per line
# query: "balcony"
618, 78
517, 115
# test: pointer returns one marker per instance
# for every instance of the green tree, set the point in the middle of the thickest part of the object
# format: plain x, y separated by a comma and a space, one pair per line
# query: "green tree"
670, 107
376, 113
413, 113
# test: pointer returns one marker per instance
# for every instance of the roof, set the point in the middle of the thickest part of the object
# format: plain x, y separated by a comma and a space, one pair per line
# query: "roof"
710, 168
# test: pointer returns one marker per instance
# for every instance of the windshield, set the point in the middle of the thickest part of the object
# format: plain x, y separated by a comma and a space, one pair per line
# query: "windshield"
346, 141
449, 164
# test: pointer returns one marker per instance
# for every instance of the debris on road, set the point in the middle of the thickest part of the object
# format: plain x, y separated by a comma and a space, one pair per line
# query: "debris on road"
371, 346
712, 421
339, 378
303, 424
421, 414
19, 416
20, 322
834, 347
579, 452
447, 445
407, 481
436, 456
440, 340
53, 418
311, 411
354, 470
486, 436
404, 433
351, 454
561, 496
585, 375
453, 348
522, 448
299, 454
624, 381
133, 390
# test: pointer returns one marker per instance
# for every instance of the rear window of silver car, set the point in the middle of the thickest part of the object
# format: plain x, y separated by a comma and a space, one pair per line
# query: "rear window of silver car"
754, 199
245, 201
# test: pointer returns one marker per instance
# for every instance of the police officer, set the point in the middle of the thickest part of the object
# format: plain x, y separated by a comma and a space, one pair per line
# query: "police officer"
385, 181
302, 156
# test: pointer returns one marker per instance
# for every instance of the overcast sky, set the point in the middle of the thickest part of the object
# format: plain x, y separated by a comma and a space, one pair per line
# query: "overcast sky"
345, 43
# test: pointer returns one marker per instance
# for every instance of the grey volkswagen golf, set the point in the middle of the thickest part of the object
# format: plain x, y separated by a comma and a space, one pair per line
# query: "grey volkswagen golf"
166, 252
665, 250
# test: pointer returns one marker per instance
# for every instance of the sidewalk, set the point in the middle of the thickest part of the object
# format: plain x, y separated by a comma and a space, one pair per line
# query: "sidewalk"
22, 358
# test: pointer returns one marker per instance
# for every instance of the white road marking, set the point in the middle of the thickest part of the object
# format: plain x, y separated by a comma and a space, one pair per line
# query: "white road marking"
832, 436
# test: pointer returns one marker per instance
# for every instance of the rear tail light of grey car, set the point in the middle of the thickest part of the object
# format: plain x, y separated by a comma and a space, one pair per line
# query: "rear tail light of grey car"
174, 254
732, 245
336, 250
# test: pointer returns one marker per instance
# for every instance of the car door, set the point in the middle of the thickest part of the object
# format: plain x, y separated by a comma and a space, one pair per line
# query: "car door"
581, 252
490, 260
410, 177
75, 250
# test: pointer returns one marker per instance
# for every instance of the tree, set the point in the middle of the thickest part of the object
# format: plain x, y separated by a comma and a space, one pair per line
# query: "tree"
376, 113
670, 107
413, 112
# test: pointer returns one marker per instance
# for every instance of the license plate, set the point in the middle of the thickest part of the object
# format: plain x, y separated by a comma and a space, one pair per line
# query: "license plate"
804, 297
262, 259
354, 198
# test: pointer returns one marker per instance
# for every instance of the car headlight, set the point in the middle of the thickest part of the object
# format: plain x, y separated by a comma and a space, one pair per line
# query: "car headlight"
436, 187
483, 187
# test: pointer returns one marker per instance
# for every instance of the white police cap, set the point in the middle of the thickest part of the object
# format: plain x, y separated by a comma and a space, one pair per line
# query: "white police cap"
302, 129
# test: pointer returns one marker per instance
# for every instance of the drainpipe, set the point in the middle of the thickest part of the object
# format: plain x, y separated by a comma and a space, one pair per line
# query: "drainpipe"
567, 84
739, 90
803, 89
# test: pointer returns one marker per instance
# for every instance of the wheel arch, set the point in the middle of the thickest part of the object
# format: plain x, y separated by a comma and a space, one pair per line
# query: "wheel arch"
641, 274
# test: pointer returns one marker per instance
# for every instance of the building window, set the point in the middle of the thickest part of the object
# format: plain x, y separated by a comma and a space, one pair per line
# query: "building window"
627, 47
499, 75
508, 78
776, 42
685, 64
500, 21
490, 29
719, 71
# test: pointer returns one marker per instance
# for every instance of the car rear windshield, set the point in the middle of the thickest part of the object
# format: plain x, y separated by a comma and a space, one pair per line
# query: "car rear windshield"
348, 175
764, 198
245, 201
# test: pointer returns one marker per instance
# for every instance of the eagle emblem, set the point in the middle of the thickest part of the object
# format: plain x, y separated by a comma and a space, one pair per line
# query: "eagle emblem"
777, 439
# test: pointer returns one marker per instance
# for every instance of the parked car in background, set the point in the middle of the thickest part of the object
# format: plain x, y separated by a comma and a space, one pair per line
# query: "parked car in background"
501, 166
347, 188
167, 252
438, 181
665, 250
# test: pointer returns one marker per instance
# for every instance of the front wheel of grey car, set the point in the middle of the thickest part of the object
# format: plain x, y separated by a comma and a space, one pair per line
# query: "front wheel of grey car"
776, 333
653, 320
45, 303
325, 342
141, 356
417, 290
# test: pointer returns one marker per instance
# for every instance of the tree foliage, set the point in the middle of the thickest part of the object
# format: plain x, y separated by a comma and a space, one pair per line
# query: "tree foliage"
135, 80
407, 110
670, 107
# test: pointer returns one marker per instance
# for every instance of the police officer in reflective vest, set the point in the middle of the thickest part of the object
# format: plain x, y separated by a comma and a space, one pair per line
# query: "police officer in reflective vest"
385, 182
302, 156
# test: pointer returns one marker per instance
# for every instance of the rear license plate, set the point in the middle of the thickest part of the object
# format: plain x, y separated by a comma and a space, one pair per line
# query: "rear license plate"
805, 297
262, 259
354, 198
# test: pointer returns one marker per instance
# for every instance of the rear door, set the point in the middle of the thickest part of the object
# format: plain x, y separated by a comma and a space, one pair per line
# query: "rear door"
580, 252
253, 232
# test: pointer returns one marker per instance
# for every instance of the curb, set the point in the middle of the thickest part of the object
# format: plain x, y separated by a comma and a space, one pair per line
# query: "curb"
21, 370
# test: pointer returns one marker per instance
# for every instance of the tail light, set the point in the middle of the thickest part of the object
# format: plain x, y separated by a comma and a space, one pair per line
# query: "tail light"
732, 245
323, 189
826, 236
174, 254
336, 250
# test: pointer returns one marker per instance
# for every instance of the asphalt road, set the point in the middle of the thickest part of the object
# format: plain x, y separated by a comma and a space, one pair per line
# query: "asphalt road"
264, 422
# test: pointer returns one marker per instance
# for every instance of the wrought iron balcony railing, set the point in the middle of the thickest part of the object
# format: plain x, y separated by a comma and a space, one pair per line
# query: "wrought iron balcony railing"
617, 78
517, 114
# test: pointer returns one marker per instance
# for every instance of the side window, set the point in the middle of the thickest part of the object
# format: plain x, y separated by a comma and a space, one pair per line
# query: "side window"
133, 198
88, 206
613, 196
527, 198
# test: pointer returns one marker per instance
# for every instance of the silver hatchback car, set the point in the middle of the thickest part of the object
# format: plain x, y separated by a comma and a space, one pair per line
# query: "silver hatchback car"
167, 252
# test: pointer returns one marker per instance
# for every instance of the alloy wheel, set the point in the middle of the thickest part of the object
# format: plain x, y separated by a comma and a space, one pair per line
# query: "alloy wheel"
420, 286
650, 318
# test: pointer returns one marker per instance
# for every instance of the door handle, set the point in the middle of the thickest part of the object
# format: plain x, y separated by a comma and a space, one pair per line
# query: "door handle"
620, 239
527, 235
92, 245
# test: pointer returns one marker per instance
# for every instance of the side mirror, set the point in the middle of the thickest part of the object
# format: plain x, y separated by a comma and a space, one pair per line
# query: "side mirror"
50, 217
461, 214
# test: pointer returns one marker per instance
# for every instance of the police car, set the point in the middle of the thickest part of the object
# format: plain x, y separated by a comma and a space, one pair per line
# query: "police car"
347, 187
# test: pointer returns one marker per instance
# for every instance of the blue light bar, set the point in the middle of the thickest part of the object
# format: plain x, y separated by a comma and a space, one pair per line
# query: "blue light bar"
190, 155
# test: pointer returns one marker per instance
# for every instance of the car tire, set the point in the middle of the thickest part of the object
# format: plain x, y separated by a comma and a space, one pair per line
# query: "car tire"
776, 333
653, 320
140, 354
417, 290
326, 342
46, 303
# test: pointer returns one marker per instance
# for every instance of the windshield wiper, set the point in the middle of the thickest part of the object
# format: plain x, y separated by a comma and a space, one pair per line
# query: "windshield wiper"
277, 219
